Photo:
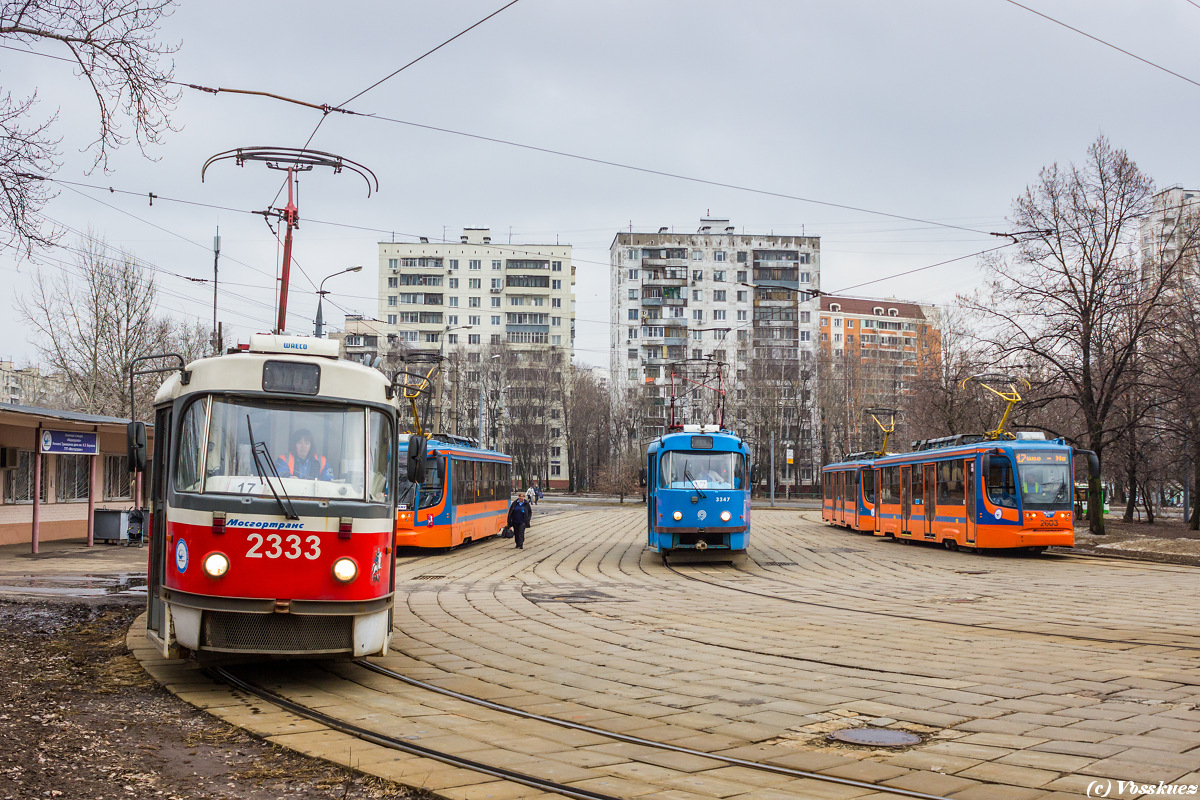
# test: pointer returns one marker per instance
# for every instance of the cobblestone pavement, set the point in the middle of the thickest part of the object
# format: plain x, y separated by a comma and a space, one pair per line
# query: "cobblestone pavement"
1026, 677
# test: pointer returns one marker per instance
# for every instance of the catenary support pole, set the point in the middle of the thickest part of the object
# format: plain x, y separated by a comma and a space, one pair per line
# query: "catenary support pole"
772, 469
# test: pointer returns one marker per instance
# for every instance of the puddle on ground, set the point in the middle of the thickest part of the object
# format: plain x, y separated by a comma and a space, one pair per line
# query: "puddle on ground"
128, 583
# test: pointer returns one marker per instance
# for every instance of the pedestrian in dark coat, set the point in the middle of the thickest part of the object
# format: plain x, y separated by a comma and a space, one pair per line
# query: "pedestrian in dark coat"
519, 515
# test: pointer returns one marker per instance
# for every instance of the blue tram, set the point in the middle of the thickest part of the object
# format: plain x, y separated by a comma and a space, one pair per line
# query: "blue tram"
698, 482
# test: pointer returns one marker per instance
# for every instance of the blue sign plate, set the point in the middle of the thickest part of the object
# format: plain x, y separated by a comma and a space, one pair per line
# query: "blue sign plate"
73, 442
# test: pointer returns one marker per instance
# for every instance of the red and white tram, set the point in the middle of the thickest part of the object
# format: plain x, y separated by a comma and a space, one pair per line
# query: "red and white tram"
272, 507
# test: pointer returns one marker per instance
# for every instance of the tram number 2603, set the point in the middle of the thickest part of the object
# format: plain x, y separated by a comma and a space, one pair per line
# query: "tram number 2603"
277, 546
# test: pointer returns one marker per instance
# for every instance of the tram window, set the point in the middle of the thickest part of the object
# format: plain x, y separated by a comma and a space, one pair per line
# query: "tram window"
431, 488
827, 492
894, 483
380, 459
739, 472
191, 434
848, 486
681, 469
318, 451
1001, 483
292, 377
950, 483
868, 479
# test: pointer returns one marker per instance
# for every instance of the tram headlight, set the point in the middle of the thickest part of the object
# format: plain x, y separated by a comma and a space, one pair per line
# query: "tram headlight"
216, 565
345, 570
726, 516
678, 515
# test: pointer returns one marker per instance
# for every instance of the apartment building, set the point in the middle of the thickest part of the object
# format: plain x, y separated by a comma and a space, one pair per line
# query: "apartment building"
30, 386
743, 299
503, 315
872, 353
1170, 223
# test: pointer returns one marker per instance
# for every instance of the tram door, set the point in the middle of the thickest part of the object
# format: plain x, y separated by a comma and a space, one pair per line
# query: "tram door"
969, 483
651, 497
856, 491
930, 498
838, 491
905, 499
156, 617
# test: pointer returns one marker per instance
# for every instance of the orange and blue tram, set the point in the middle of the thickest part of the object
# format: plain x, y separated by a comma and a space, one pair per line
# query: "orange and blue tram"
961, 492
462, 496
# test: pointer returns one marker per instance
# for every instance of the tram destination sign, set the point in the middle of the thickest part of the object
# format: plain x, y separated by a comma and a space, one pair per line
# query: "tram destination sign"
70, 442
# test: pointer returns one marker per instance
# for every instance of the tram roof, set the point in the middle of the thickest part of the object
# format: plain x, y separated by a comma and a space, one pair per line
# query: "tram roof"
242, 373
723, 441
940, 453
462, 448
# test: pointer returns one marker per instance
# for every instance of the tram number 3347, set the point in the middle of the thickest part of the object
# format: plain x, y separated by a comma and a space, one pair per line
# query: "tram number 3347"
277, 546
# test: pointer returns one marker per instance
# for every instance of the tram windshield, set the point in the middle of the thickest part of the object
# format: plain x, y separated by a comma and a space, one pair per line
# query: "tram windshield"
324, 452
1045, 487
684, 469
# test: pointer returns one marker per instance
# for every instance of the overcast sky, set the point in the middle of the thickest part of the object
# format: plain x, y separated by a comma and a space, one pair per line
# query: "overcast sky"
940, 110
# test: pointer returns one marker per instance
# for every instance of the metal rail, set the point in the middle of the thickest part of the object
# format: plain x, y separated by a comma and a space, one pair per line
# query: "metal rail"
624, 737
394, 743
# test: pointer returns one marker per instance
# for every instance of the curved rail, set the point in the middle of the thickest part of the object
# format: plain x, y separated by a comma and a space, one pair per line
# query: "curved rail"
628, 739
394, 743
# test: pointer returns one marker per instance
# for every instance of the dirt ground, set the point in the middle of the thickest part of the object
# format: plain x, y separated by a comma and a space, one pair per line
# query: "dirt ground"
80, 719
1168, 540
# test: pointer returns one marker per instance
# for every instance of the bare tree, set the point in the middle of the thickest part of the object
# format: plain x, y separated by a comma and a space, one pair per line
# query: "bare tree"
113, 45
91, 321
1074, 300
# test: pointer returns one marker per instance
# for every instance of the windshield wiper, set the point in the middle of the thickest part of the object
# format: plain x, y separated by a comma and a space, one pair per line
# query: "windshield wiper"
688, 475
257, 450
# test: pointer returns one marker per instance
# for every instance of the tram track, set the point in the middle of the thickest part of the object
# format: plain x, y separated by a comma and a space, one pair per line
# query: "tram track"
930, 620
526, 779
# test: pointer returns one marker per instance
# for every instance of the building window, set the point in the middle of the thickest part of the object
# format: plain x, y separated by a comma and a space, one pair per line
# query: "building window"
633, 333
718, 314
454, 302
555, 452
837, 322
496, 338
824, 322
472, 338
805, 277
451, 319
495, 319
393, 283
556, 302
697, 274
473, 320
495, 302
475, 283
452, 338
849, 323
631, 254
555, 433
556, 285
697, 354
633, 274
475, 263
719, 275
718, 255
698, 314
697, 335
475, 302
497, 264
391, 299
454, 283
697, 255
555, 470
632, 313
74, 478
556, 266
741, 258
741, 296
116, 478
697, 295
556, 322
718, 295
837, 337
391, 319
824, 336
806, 316
497, 283
633, 354
454, 263
393, 263
741, 316
18, 484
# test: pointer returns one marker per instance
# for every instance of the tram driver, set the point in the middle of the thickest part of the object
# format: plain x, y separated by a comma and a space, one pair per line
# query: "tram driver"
301, 461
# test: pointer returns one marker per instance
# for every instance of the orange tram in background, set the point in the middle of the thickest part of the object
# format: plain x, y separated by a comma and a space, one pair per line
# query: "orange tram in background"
965, 491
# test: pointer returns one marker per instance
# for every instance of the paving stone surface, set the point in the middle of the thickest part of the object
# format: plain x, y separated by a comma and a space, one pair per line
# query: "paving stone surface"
1026, 677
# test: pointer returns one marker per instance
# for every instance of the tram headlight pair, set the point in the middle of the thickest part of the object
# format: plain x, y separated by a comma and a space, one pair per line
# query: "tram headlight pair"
678, 515
345, 570
216, 565
726, 516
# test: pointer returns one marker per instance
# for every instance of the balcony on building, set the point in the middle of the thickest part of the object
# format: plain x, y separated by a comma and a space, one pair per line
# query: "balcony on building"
527, 263
665, 276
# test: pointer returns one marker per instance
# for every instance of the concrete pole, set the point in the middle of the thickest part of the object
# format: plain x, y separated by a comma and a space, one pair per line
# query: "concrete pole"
93, 460
772, 469
37, 486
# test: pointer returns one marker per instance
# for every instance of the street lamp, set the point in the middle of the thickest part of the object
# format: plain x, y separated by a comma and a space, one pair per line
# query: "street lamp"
320, 327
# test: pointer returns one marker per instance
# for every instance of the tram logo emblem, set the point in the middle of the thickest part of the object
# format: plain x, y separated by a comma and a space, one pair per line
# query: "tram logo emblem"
181, 556
701, 514
996, 513
377, 566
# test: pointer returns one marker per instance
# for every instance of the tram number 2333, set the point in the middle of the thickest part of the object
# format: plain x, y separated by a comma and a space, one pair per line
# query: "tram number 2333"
277, 546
